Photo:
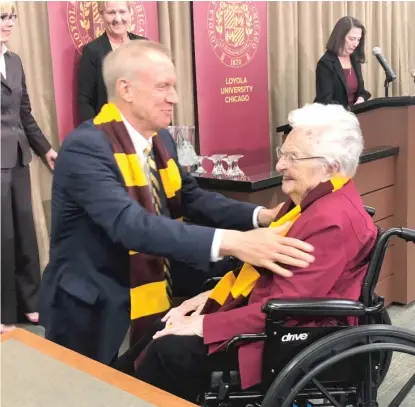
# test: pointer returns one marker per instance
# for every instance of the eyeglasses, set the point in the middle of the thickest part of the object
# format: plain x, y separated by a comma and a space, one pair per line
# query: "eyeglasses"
8, 17
291, 158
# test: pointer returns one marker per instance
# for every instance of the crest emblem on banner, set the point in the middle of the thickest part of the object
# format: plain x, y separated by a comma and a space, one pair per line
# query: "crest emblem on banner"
234, 31
85, 24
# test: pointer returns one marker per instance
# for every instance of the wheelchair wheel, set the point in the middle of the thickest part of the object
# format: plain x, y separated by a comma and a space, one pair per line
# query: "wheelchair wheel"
386, 358
330, 350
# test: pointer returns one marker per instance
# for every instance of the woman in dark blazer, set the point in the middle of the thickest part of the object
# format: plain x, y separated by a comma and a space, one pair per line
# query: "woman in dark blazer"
339, 77
92, 94
20, 268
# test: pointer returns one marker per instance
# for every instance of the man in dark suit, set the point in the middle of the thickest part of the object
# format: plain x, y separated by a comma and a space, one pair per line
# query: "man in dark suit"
20, 267
97, 225
92, 94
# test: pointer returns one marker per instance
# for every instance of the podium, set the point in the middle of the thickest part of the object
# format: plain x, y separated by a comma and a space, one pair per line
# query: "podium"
388, 184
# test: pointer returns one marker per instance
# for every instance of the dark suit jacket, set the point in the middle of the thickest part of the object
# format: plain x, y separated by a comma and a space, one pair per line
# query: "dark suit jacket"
18, 127
84, 298
331, 85
92, 94
338, 272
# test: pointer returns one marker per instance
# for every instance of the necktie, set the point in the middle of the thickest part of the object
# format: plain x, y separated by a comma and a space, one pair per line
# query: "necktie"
155, 190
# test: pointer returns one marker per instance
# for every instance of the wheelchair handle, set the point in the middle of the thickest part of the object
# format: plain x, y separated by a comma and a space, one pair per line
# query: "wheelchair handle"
407, 234
370, 210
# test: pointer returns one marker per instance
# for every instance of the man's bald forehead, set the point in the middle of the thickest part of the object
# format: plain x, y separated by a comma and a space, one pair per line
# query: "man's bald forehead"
156, 57
142, 48
152, 61
139, 56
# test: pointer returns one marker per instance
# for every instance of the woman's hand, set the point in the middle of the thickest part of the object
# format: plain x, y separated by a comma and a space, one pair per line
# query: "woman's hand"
359, 100
183, 326
51, 156
195, 304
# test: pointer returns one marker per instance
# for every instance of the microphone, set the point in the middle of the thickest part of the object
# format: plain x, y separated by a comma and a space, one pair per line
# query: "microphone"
390, 76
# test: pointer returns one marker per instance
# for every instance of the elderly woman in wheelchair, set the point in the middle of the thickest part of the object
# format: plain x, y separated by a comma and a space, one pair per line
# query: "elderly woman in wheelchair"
226, 346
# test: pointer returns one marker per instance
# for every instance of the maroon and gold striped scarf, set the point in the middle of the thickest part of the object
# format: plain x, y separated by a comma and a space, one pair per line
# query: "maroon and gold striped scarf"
147, 277
235, 287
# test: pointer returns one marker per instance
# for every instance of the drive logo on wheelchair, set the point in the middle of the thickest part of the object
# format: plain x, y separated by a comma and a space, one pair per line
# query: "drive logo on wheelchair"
294, 337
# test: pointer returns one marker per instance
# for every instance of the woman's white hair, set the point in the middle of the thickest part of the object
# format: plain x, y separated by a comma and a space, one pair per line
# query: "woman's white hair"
333, 133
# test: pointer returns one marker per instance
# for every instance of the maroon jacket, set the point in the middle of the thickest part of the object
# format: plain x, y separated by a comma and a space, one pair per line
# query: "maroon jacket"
343, 236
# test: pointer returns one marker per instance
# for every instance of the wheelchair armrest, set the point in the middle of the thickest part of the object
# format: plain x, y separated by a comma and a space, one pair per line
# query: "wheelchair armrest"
313, 307
210, 284
244, 338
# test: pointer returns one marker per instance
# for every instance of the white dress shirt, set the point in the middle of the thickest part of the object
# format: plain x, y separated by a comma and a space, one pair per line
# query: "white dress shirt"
140, 143
2, 60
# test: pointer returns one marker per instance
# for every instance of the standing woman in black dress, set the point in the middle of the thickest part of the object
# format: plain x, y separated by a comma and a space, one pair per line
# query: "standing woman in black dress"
92, 94
339, 77
20, 269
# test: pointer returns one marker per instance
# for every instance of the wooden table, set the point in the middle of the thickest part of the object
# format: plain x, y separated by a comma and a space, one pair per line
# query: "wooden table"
114, 378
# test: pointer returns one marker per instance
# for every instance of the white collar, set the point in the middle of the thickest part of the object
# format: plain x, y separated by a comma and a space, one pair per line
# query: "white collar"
139, 141
3, 48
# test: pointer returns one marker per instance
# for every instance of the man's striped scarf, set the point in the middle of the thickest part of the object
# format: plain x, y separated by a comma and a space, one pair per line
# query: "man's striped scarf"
236, 286
147, 277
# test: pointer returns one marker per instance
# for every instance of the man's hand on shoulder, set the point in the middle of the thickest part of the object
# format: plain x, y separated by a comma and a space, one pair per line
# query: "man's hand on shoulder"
265, 248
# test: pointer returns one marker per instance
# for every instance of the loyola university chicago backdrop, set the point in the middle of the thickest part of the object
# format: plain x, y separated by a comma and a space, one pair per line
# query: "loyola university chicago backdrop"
232, 79
72, 24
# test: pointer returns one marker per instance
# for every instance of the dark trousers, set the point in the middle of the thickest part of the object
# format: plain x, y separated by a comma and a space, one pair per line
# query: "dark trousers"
176, 364
20, 269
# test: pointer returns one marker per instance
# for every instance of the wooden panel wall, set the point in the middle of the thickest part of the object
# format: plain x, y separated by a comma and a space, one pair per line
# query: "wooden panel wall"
396, 126
376, 183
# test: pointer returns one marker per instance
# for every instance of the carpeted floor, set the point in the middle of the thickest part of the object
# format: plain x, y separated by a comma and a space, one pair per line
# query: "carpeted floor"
402, 368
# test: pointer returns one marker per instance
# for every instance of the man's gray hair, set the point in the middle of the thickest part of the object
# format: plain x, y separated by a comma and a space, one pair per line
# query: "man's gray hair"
333, 133
125, 62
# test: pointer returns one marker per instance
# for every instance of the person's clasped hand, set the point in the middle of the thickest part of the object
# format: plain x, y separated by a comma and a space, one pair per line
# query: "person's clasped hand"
183, 326
51, 157
194, 304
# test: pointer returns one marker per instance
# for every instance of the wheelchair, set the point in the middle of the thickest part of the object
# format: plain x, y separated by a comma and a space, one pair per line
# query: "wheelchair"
336, 366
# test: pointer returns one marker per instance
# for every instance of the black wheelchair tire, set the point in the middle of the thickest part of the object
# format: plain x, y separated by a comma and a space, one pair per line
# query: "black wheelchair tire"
330, 347
384, 318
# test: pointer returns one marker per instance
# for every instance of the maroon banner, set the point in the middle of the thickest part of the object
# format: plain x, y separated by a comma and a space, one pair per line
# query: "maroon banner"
73, 24
232, 79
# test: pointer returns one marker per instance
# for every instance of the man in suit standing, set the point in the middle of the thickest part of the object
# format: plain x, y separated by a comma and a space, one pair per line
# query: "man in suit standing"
92, 94
20, 267
117, 190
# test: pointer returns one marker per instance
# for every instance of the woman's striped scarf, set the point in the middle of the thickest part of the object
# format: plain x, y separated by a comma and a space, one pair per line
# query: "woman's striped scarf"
148, 292
236, 286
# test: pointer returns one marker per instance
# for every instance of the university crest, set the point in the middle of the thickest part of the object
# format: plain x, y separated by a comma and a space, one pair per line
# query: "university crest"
234, 31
